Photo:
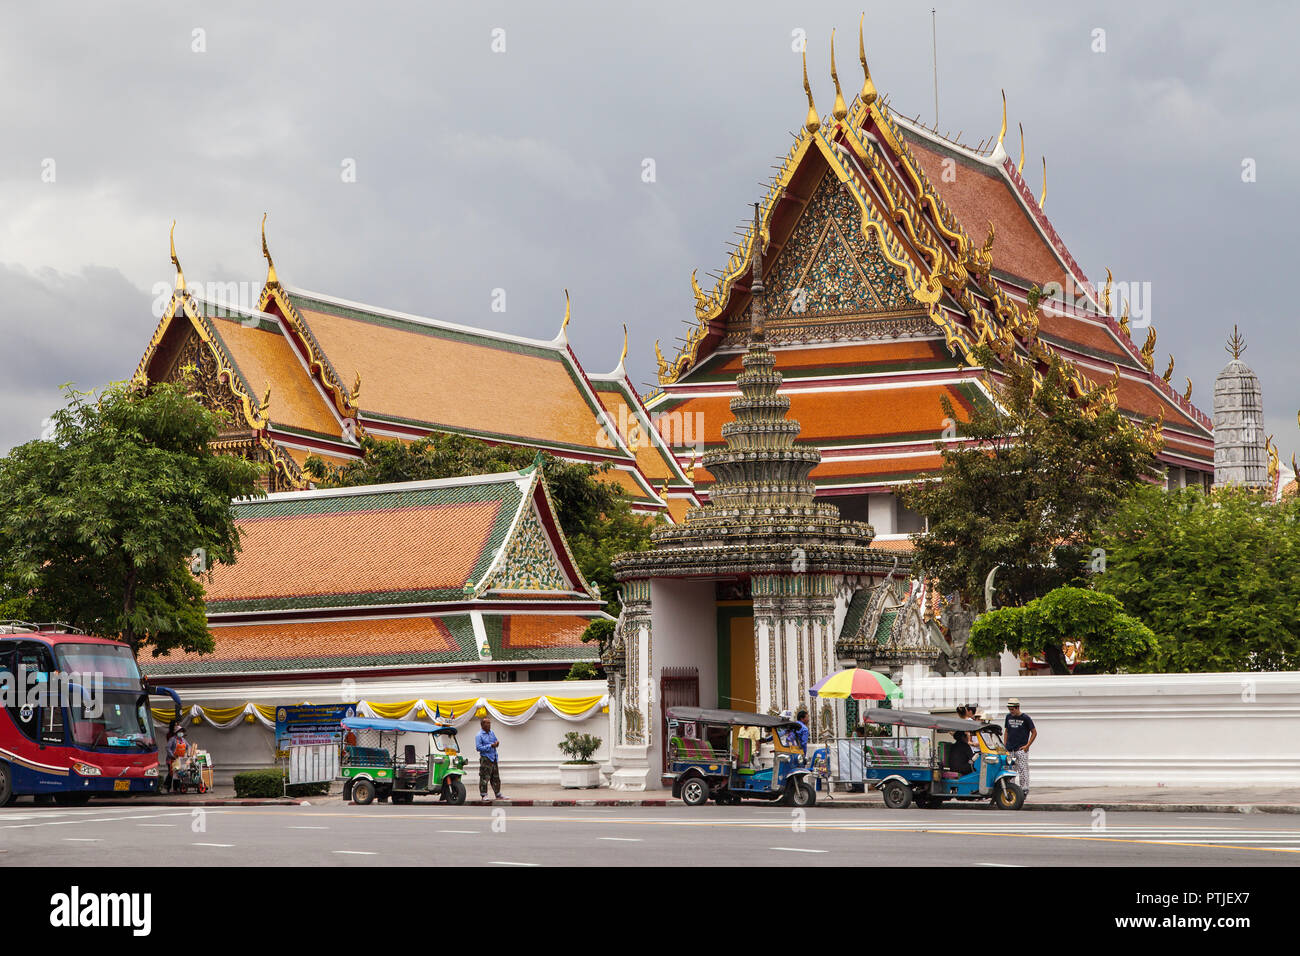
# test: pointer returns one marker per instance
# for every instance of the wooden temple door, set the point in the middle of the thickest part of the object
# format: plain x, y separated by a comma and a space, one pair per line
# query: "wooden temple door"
678, 687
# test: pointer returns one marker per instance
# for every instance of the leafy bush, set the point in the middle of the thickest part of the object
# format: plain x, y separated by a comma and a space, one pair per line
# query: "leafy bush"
579, 747
270, 782
583, 670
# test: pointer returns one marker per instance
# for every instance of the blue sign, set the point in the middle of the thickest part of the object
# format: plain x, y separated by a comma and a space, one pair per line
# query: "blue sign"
304, 724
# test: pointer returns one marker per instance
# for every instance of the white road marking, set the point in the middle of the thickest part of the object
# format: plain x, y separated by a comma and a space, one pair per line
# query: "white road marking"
82, 840
307, 828
796, 849
511, 863
458, 831
155, 824
355, 852
623, 839
1019, 865
214, 844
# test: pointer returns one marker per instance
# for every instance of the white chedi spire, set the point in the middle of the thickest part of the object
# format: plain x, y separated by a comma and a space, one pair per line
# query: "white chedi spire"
1239, 454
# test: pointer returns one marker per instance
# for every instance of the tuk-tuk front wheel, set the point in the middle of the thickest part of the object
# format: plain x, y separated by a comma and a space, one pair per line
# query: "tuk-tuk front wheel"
799, 794
1009, 796
695, 792
453, 791
897, 795
363, 792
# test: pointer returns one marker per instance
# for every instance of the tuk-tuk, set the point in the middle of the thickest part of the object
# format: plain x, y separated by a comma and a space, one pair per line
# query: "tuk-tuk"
733, 755
372, 768
916, 769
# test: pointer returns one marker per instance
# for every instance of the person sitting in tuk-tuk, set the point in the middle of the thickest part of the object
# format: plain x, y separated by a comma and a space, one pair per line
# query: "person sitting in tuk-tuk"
960, 754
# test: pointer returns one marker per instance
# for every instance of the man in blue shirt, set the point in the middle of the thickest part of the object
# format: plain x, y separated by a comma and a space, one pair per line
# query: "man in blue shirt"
488, 772
801, 735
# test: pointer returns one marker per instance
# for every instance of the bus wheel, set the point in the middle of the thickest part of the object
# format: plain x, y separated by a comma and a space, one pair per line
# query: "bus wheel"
363, 791
6, 785
72, 799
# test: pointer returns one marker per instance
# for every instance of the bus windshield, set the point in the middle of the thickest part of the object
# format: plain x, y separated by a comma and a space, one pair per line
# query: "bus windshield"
114, 712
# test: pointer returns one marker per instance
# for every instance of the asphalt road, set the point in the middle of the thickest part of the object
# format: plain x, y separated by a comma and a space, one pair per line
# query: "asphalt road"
432, 835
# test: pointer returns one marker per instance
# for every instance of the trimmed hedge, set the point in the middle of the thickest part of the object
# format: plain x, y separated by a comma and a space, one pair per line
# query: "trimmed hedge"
270, 782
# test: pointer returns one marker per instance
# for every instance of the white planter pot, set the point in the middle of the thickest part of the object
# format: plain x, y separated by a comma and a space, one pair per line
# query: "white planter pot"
579, 776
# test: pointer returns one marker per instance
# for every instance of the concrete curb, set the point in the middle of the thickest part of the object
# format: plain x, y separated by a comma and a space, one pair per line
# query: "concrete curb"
203, 802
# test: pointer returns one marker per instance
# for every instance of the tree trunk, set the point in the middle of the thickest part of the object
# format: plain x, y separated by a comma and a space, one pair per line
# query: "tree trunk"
1055, 657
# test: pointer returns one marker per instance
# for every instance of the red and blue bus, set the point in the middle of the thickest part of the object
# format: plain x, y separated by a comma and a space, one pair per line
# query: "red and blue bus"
76, 717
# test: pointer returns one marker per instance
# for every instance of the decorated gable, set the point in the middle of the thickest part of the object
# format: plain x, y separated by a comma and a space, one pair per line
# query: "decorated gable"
529, 562
827, 266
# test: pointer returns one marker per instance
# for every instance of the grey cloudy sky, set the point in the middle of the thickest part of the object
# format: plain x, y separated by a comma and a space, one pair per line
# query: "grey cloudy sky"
521, 170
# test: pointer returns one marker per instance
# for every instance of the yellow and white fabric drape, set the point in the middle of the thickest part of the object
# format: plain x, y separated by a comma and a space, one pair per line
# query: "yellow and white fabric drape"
455, 713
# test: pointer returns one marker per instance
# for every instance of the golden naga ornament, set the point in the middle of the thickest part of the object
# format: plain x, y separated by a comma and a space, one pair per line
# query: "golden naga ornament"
356, 389
1274, 465
813, 122
1169, 372
1042, 199
1020, 166
1105, 294
1149, 349
868, 94
1002, 131
271, 277
180, 275
1123, 323
1187, 395
839, 110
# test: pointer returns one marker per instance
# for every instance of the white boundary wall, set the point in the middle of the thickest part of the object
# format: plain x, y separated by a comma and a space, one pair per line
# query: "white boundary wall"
1148, 730
529, 752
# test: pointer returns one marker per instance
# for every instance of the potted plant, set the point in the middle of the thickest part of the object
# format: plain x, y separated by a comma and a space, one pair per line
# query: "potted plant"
579, 771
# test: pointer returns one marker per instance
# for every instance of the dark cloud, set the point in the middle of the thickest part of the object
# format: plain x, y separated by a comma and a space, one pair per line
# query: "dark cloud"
522, 170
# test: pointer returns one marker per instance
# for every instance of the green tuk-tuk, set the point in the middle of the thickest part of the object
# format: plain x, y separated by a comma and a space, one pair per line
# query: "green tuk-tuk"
372, 768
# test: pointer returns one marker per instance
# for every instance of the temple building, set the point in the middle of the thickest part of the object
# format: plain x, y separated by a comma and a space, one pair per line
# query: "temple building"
305, 373
891, 254
1241, 455
465, 577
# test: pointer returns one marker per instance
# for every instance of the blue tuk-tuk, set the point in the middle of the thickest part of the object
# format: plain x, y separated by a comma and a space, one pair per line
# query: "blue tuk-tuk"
917, 769
733, 755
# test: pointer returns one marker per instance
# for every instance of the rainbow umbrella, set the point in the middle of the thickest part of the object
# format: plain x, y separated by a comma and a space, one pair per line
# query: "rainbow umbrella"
858, 684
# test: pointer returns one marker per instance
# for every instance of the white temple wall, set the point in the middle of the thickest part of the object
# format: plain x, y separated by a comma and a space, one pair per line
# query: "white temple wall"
529, 752
1148, 730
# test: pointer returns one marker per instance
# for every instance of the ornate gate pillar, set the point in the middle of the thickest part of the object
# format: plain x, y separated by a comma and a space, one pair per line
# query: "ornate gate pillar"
631, 729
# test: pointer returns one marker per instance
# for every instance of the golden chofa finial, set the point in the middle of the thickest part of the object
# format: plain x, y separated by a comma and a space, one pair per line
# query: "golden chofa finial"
1020, 166
1169, 372
1002, 132
868, 94
1187, 395
1043, 198
839, 110
180, 276
271, 277
1105, 293
813, 122
623, 355
567, 311
1236, 344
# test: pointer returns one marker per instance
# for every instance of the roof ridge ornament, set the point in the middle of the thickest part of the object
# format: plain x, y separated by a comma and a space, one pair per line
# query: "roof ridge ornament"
271, 277
999, 151
1042, 199
1020, 167
562, 338
840, 110
1236, 344
813, 122
868, 94
180, 275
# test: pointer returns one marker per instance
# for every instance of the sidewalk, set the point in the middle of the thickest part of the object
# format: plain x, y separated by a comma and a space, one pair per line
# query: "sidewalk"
1143, 799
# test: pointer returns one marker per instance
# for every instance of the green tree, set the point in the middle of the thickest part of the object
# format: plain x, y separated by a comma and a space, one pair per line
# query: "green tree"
596, 516
101, 523
1046, 467
1215, 576
1112, 640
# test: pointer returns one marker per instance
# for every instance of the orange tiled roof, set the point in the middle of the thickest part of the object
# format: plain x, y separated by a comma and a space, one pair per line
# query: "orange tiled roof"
843, 416
265, 357
418, 372
977, 195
